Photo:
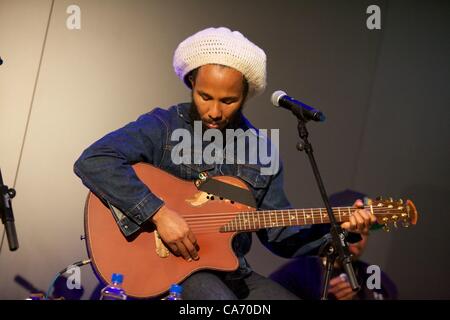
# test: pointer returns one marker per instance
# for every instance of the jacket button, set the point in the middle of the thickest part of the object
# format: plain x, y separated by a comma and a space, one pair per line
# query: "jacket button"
203, 175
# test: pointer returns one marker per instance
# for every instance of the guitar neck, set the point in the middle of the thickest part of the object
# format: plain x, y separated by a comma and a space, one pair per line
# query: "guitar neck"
255, 220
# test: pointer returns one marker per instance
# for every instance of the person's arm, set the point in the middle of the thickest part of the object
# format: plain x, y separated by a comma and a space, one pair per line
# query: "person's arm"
105, 166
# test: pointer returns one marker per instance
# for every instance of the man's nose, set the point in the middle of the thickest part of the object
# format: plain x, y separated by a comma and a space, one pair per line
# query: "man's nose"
215, 112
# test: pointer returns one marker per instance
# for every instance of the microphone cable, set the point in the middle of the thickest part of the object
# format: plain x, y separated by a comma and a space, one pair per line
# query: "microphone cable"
52, 284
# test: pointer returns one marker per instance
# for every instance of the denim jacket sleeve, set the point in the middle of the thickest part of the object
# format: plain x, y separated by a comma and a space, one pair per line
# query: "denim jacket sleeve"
288, 241
105, 168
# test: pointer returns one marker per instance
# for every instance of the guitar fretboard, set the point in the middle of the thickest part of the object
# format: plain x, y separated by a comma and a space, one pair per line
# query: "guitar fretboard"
255, 220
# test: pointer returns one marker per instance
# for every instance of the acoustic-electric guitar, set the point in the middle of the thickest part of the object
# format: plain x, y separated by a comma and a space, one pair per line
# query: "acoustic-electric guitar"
149, 268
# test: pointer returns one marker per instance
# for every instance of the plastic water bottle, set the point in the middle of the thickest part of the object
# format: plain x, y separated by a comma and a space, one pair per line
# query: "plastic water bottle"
114, 291
175, 292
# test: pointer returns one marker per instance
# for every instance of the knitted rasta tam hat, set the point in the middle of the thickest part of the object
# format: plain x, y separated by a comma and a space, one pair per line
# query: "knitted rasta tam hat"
225, 47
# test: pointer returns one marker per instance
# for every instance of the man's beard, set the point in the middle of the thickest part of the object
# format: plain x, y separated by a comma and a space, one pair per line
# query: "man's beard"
234, 123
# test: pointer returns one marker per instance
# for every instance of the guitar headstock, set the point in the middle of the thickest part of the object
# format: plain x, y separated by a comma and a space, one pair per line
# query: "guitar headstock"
394, 212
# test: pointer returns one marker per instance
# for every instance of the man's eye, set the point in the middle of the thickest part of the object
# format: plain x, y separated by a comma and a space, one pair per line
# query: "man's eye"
205, 98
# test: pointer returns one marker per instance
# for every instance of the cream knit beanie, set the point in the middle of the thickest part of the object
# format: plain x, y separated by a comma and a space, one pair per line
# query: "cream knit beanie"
225, 47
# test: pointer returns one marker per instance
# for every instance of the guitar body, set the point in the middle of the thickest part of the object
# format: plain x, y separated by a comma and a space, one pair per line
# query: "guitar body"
148, 268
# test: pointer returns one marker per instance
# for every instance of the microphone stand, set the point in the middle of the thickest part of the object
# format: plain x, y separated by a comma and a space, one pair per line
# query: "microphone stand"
337, 246
6, 214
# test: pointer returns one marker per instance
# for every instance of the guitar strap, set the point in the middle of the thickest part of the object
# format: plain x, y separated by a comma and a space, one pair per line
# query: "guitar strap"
224, 190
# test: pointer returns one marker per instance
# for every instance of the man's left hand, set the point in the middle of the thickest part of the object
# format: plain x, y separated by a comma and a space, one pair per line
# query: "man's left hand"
360, 220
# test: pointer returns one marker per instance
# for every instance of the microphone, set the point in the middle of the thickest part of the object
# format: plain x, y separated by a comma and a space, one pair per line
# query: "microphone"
301, 110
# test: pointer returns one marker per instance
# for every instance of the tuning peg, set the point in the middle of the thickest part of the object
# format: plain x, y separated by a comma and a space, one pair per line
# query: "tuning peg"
379, 198
385, 224
400, 201
395, 219
391, 199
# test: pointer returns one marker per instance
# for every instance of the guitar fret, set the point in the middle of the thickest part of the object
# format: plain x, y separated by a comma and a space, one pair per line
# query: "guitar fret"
321, 218
339, 211
312, 215
296, 215
264, 217
276, 219
248, 221
304, 216
260, 221
349, 212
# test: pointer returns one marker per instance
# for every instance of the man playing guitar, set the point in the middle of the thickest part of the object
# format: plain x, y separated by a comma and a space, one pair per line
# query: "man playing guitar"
223, 69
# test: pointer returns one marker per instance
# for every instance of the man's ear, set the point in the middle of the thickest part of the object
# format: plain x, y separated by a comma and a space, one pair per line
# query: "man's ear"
191, 80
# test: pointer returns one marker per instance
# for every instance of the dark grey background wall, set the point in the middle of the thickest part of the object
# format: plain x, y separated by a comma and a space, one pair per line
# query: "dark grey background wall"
387, 97
385, 93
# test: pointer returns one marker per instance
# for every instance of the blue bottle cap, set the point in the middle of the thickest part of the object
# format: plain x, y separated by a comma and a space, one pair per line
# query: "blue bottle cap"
117, 278
175, 288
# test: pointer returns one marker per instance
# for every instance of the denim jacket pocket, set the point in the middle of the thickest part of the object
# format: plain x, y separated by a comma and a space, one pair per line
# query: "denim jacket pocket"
251, 173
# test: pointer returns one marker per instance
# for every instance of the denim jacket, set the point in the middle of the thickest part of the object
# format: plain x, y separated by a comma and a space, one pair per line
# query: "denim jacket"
105, 168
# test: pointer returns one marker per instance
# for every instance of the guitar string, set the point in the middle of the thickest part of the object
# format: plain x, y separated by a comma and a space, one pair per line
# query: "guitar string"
319, 211
262, 222
215, 226
283, 215
260, 211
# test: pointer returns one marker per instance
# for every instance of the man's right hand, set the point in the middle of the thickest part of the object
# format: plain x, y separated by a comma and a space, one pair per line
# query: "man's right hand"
175, 232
